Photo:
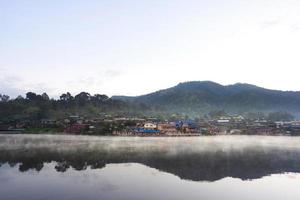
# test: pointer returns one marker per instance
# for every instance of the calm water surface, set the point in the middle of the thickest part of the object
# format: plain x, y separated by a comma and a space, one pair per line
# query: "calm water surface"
79, 167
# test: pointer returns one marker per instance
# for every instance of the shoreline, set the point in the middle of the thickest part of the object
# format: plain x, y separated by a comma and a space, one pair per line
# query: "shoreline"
141, 135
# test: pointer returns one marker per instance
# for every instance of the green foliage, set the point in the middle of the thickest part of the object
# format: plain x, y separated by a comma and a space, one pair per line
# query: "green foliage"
215, 114
4, 98
280, 116
203, 97
255, 115
39, 130
36, 107
205, 132
193, 99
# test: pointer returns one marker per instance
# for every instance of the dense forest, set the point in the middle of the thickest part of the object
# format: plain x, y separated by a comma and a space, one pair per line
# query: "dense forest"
40, 106
35, 107
199, 99
192, 98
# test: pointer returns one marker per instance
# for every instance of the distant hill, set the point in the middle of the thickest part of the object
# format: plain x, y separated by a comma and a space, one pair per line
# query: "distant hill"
205, 96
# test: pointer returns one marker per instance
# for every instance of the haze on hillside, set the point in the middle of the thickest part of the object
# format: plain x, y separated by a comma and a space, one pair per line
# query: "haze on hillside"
137, 47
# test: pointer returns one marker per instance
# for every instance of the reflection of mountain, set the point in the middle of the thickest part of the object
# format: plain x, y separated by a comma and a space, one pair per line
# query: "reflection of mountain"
196, 166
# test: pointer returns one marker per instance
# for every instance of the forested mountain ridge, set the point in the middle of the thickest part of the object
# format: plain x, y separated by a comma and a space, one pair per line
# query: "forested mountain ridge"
205, 96
194, 99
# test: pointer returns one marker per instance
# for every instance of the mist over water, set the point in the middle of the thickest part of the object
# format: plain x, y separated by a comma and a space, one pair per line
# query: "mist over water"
129, 167
170, 144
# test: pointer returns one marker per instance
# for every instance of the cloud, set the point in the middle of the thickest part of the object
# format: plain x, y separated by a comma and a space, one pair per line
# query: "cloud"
270, 23
12, 92
39, 87
85, 82
93, 81
8, 86
14, 85
112, 73
90, 82
295, 27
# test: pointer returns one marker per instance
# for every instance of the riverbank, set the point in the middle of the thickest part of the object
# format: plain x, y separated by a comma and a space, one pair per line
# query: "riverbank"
137, 135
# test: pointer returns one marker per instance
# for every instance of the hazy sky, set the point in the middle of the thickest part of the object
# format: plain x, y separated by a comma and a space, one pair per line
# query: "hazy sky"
135, 47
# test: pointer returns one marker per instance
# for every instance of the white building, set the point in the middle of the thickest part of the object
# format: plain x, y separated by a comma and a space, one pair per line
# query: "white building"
150, 126
223, 121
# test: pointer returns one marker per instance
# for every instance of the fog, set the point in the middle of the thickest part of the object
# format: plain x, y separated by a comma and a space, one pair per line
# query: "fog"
171, 145
194, 158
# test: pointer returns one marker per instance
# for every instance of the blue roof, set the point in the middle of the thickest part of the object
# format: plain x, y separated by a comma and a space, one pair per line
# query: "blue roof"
189, 122
143, 130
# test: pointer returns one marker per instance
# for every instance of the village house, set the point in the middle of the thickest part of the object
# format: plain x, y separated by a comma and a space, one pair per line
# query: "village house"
223, 121
188, 128
150, 125
77, 128
238, 118
48, 121
167, 127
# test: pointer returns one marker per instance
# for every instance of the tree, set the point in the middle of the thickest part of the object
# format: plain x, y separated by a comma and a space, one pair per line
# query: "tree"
4, 98
45, 97
19, 97
31, 96
82, 98
66, 97
217, 114
255, 115
33, 112
98, 99
280, 116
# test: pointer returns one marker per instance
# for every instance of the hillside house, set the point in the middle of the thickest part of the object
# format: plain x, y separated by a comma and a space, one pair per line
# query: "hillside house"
167, 127
150, 125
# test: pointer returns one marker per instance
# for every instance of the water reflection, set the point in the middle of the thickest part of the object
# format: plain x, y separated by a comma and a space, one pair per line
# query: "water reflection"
196, 159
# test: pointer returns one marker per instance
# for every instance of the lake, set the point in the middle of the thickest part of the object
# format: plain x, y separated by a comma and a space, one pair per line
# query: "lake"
128, 168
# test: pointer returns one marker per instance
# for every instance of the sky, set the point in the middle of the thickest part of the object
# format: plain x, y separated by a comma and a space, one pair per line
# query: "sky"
134, 47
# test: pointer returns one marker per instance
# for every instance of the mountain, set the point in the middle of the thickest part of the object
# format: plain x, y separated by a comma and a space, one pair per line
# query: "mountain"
197, 97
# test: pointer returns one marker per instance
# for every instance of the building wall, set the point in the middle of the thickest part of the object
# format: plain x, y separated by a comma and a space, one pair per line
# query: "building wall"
150, 126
